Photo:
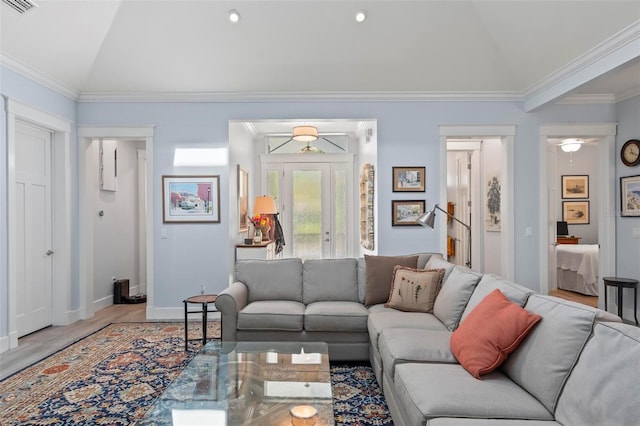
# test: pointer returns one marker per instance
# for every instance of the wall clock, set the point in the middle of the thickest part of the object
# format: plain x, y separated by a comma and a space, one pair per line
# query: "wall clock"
630, 152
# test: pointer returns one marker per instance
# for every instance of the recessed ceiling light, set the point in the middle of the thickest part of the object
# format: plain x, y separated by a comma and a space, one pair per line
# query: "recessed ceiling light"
361, 15
234, 16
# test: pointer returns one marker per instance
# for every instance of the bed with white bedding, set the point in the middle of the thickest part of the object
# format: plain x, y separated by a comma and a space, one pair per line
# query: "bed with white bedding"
578, 268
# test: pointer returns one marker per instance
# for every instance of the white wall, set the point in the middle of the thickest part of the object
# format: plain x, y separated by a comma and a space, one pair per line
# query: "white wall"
116, 232
582, 162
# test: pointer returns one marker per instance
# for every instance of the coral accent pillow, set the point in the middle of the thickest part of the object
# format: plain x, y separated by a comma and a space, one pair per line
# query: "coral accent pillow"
379, 274
491, 331
414, 290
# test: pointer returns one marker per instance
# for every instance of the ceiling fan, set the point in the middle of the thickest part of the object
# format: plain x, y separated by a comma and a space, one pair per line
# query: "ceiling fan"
307, 134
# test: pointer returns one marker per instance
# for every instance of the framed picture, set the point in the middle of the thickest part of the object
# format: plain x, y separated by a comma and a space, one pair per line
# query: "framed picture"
408, 179
190, 199
406, 212
575, 186
575, 212
630, 195
243, 200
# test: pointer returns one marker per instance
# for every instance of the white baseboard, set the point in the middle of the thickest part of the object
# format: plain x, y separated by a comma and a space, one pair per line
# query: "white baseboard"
102, 303
4, 344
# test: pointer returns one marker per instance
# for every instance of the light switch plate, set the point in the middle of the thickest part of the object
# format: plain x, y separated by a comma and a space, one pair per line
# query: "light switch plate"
635, 232
164, 234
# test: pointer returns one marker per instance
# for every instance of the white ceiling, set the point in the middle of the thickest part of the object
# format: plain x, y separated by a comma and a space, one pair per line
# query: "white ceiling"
306, 48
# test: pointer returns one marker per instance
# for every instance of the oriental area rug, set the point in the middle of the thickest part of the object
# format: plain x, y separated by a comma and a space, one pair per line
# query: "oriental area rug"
112, 377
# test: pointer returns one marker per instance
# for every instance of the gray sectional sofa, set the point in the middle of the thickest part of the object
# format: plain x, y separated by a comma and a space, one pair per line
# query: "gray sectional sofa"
578, 366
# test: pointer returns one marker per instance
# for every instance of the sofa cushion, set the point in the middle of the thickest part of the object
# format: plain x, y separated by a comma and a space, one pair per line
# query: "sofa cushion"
279, 279
329, 279
599, 390
381, 318
454, 296
379, 274
428, 391
336, 316
438, 262
444, 421
515, 292
490, 333
282, 315
543, 361
403, 345
414, 290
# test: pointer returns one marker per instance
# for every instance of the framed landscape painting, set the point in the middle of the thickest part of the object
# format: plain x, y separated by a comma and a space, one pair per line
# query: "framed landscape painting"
575, 212
408, 179
190, 199
406, 212
630, 196
575, 186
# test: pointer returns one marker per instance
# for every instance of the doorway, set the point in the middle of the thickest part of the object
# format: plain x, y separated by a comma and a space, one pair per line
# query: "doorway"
604, 136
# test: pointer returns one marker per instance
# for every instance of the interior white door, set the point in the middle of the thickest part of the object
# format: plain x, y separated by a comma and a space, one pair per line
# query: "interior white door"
33, 229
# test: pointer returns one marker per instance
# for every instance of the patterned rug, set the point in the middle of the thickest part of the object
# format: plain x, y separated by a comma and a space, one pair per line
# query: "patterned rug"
113, 376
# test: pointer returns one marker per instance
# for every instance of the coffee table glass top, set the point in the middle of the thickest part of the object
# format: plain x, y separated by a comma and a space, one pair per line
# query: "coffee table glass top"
248, 383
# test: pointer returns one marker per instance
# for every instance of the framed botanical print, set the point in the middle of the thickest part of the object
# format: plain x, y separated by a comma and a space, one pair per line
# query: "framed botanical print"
408, 179
406, 212
575, 212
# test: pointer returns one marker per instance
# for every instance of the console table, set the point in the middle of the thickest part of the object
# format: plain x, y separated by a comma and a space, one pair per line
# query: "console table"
266, 250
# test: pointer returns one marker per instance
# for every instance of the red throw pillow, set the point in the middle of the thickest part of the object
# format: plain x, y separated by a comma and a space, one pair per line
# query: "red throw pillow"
491, 331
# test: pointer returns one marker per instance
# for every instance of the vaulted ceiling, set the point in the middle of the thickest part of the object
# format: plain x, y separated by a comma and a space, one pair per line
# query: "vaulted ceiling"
537, 51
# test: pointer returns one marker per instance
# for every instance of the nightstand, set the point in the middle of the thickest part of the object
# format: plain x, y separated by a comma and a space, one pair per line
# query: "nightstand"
568, 240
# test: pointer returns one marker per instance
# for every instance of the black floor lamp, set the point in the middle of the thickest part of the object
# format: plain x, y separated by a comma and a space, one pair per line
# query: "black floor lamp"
428, 219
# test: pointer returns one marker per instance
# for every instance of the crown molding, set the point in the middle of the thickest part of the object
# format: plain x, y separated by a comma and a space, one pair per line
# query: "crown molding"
615, 51
296, 96
586, 99
631, 93
29, 72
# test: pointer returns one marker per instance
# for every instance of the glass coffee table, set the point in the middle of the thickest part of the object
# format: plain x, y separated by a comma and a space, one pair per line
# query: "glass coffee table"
249, 383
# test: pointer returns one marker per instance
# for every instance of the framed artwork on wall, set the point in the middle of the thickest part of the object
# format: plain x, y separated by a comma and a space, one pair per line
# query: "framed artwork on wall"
575, 186
575, 212
190, 199
406, 212
408, 179
630, 196
243, 200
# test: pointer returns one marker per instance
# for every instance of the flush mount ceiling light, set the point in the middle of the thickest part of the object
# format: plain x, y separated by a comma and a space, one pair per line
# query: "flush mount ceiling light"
234, 16
305, 133
571, 145
361, 16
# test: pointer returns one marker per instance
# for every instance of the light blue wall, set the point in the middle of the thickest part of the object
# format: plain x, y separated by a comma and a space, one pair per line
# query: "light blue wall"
627, 247
407, 134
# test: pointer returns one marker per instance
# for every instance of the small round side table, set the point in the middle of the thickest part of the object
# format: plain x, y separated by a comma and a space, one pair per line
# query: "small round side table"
203, 300
621, 283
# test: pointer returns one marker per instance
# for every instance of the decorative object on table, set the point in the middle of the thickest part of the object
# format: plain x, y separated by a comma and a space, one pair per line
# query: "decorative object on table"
190, 199
406, 212
367, 230
575, 186
493, 205
408, 179
428, 220
575, 212
303, 415
630, 153
630, 196
264, 207
257, 236
243, 200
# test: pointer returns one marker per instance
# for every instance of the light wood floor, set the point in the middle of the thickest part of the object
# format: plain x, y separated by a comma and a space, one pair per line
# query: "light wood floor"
575, 297
36, 346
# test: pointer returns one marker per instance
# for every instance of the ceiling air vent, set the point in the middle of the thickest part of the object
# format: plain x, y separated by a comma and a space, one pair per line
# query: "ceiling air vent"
21, 6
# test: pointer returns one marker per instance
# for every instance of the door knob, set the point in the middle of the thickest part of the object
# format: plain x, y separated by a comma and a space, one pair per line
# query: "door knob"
49, 252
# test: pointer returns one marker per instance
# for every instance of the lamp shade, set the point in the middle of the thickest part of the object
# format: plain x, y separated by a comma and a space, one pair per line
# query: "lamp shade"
562, 228
264, 205
428, 219
305, 133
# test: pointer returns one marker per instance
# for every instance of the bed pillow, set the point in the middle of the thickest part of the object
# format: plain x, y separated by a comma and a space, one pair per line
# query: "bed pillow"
379, 272
490, 333
414, 290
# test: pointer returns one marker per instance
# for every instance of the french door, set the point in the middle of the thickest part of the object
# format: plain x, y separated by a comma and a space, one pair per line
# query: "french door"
314, 200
